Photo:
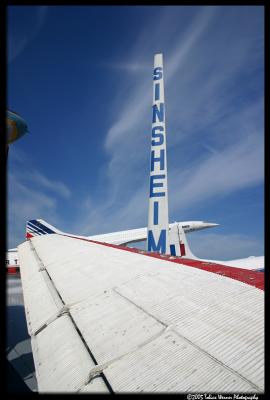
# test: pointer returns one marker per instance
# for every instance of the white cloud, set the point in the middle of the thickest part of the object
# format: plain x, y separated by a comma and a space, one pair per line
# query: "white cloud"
29, 176
30, 195
239, 166
135, 103
26, 203
37, 178
128, 67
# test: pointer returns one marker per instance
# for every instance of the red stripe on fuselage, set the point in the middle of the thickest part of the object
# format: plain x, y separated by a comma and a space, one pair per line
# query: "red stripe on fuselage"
250, 277
13, 270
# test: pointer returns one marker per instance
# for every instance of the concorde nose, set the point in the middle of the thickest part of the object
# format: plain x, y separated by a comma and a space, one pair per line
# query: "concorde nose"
198, 225
209, 224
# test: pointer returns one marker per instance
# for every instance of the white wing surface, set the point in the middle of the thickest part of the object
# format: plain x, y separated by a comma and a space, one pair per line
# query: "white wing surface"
251, 262
103, 319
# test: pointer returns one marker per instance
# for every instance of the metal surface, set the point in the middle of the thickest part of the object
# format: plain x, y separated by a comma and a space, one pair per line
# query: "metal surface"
140, 323
56, 349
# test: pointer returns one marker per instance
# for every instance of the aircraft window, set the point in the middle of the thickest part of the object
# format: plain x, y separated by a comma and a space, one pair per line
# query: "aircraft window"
185, 226
7, 262
16, 261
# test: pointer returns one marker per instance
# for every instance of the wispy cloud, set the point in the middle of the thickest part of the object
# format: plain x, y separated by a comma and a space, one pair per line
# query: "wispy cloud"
205, 103
128, 67
36, 178
138, 97
239, 166
29, 176
18, 41
31, 195
26, 203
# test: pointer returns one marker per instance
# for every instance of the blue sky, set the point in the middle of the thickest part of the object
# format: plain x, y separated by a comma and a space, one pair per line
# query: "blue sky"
82, 79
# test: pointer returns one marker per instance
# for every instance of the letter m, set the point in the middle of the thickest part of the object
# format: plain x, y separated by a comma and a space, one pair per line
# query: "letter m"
161, 246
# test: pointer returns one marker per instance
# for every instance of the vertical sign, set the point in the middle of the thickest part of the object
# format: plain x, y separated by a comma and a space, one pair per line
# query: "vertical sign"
158, 221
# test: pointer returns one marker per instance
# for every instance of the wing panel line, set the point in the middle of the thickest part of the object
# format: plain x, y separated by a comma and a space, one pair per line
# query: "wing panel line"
66, 310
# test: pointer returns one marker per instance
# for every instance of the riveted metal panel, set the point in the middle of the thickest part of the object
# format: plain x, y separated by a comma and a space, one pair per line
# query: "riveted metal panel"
61, 360
151, 325
40, 303
172, 364
112, 326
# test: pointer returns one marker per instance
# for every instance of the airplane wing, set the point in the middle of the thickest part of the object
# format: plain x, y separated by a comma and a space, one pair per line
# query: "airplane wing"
252, 262
104, 318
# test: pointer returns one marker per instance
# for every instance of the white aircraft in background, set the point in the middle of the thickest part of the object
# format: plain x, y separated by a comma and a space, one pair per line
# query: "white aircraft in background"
37, 227
177, 230
12, 264
108, 318
180, 243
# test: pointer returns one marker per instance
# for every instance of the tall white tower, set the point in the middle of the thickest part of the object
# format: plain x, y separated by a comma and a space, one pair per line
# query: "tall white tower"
158, 219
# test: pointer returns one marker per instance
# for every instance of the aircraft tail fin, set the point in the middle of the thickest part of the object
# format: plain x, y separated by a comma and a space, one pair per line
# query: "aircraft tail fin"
178, 242
37, 227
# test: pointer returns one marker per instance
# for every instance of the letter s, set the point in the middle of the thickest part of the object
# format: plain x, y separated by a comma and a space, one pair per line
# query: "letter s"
157, 73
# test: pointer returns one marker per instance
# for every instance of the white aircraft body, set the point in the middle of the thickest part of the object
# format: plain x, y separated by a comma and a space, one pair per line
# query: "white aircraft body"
12, 262
40, 227
113, 319
12, 257
182, 249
